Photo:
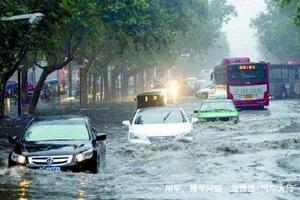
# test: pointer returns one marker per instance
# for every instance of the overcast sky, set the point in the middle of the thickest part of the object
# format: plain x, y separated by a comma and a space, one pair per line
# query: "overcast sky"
240, 36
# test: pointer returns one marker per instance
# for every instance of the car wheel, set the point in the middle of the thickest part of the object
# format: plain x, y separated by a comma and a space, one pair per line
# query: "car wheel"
94, 168
11, 163
204, 95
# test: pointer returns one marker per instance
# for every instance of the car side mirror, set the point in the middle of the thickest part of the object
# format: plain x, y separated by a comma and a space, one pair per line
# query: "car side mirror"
12, 139
196, 111
239, 109
126, 123
194, 120
93, 129
100, 137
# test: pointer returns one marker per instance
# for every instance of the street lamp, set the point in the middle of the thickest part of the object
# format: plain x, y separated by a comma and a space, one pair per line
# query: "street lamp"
33, 18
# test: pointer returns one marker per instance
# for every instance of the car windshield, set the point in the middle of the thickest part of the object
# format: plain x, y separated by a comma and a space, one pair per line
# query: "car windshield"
48, 132
160, 116
217, 106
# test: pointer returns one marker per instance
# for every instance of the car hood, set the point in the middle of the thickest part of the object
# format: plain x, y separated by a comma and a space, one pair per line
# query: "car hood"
153, 130
217, 114
54, 147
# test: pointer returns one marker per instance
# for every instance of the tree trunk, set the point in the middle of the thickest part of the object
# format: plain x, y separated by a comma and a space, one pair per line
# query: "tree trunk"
113, 85
141, 82
106, 85
2, 96
83, 87
94, 90
3, 80
70, 80
37, 92
101, 88
135, 83
24, 86
89, 83
125, 81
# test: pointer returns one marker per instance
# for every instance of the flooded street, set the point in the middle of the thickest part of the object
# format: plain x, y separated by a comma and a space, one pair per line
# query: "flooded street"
260, 153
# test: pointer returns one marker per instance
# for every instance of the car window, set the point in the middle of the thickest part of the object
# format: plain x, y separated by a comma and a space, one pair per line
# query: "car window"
44, 132
160, 116
219, 105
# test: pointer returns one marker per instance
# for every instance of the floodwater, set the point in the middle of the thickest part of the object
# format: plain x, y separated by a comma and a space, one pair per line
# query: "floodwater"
258, 158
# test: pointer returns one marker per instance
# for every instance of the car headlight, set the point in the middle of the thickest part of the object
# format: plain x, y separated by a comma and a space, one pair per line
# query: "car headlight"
84, 155
18, 158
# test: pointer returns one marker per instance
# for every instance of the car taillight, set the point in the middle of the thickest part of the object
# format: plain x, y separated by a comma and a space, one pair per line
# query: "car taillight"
229, 95
266, 95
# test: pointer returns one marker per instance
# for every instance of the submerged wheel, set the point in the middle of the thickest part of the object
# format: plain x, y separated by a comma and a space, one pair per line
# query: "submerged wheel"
94, 167
204, 95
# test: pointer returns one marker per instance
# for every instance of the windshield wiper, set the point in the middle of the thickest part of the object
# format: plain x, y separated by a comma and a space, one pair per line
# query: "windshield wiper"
166, 117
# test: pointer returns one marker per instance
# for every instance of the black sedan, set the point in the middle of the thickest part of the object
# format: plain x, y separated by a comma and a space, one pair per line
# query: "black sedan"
62, 143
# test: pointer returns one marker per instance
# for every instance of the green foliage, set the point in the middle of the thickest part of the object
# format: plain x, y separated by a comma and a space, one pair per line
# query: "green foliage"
278, 35
295, 8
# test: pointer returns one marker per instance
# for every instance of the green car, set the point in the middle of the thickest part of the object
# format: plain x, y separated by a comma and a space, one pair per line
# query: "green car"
217, 109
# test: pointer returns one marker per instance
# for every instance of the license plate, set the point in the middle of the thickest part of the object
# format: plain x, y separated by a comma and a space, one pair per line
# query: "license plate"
248, 96
52, 169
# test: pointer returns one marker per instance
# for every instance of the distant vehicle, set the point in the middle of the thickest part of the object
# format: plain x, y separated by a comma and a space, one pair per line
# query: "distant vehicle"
245, 82
60, 143
204, 92
285, 79
220, 109
190, 85
151, 99
159, 124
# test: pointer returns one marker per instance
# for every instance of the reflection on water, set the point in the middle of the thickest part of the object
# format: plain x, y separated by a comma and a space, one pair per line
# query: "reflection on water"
84, 181
23, 193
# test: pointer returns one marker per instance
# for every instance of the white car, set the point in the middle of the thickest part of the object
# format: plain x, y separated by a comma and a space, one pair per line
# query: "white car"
203, 93
158, 124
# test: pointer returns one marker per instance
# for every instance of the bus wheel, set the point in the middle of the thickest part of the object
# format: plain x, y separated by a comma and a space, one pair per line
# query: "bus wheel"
260, 107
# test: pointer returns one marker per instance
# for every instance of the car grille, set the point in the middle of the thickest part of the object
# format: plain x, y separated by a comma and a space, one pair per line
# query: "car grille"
50, 160
224, 118
218, 119
161, 139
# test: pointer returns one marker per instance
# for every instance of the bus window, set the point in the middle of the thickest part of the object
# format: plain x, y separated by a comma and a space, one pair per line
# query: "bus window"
285, 73
297, 74
276, 73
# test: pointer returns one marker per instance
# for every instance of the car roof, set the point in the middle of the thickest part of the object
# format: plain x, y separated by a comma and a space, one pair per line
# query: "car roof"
162, 108
154, 92
62, 119
216, 100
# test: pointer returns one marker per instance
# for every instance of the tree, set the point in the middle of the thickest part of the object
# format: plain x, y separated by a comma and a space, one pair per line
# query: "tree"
278, 36
14, 41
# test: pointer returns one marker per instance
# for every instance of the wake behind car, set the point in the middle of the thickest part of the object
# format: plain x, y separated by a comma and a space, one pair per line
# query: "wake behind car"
158, 124
61, 143
217, 109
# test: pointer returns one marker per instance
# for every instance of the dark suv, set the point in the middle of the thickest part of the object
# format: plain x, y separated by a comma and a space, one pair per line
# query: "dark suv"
60, 143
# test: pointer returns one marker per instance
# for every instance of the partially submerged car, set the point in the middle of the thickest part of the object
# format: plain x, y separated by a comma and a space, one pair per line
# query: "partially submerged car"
61, 143
204, 91
158, 124
217, 109
151, 99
